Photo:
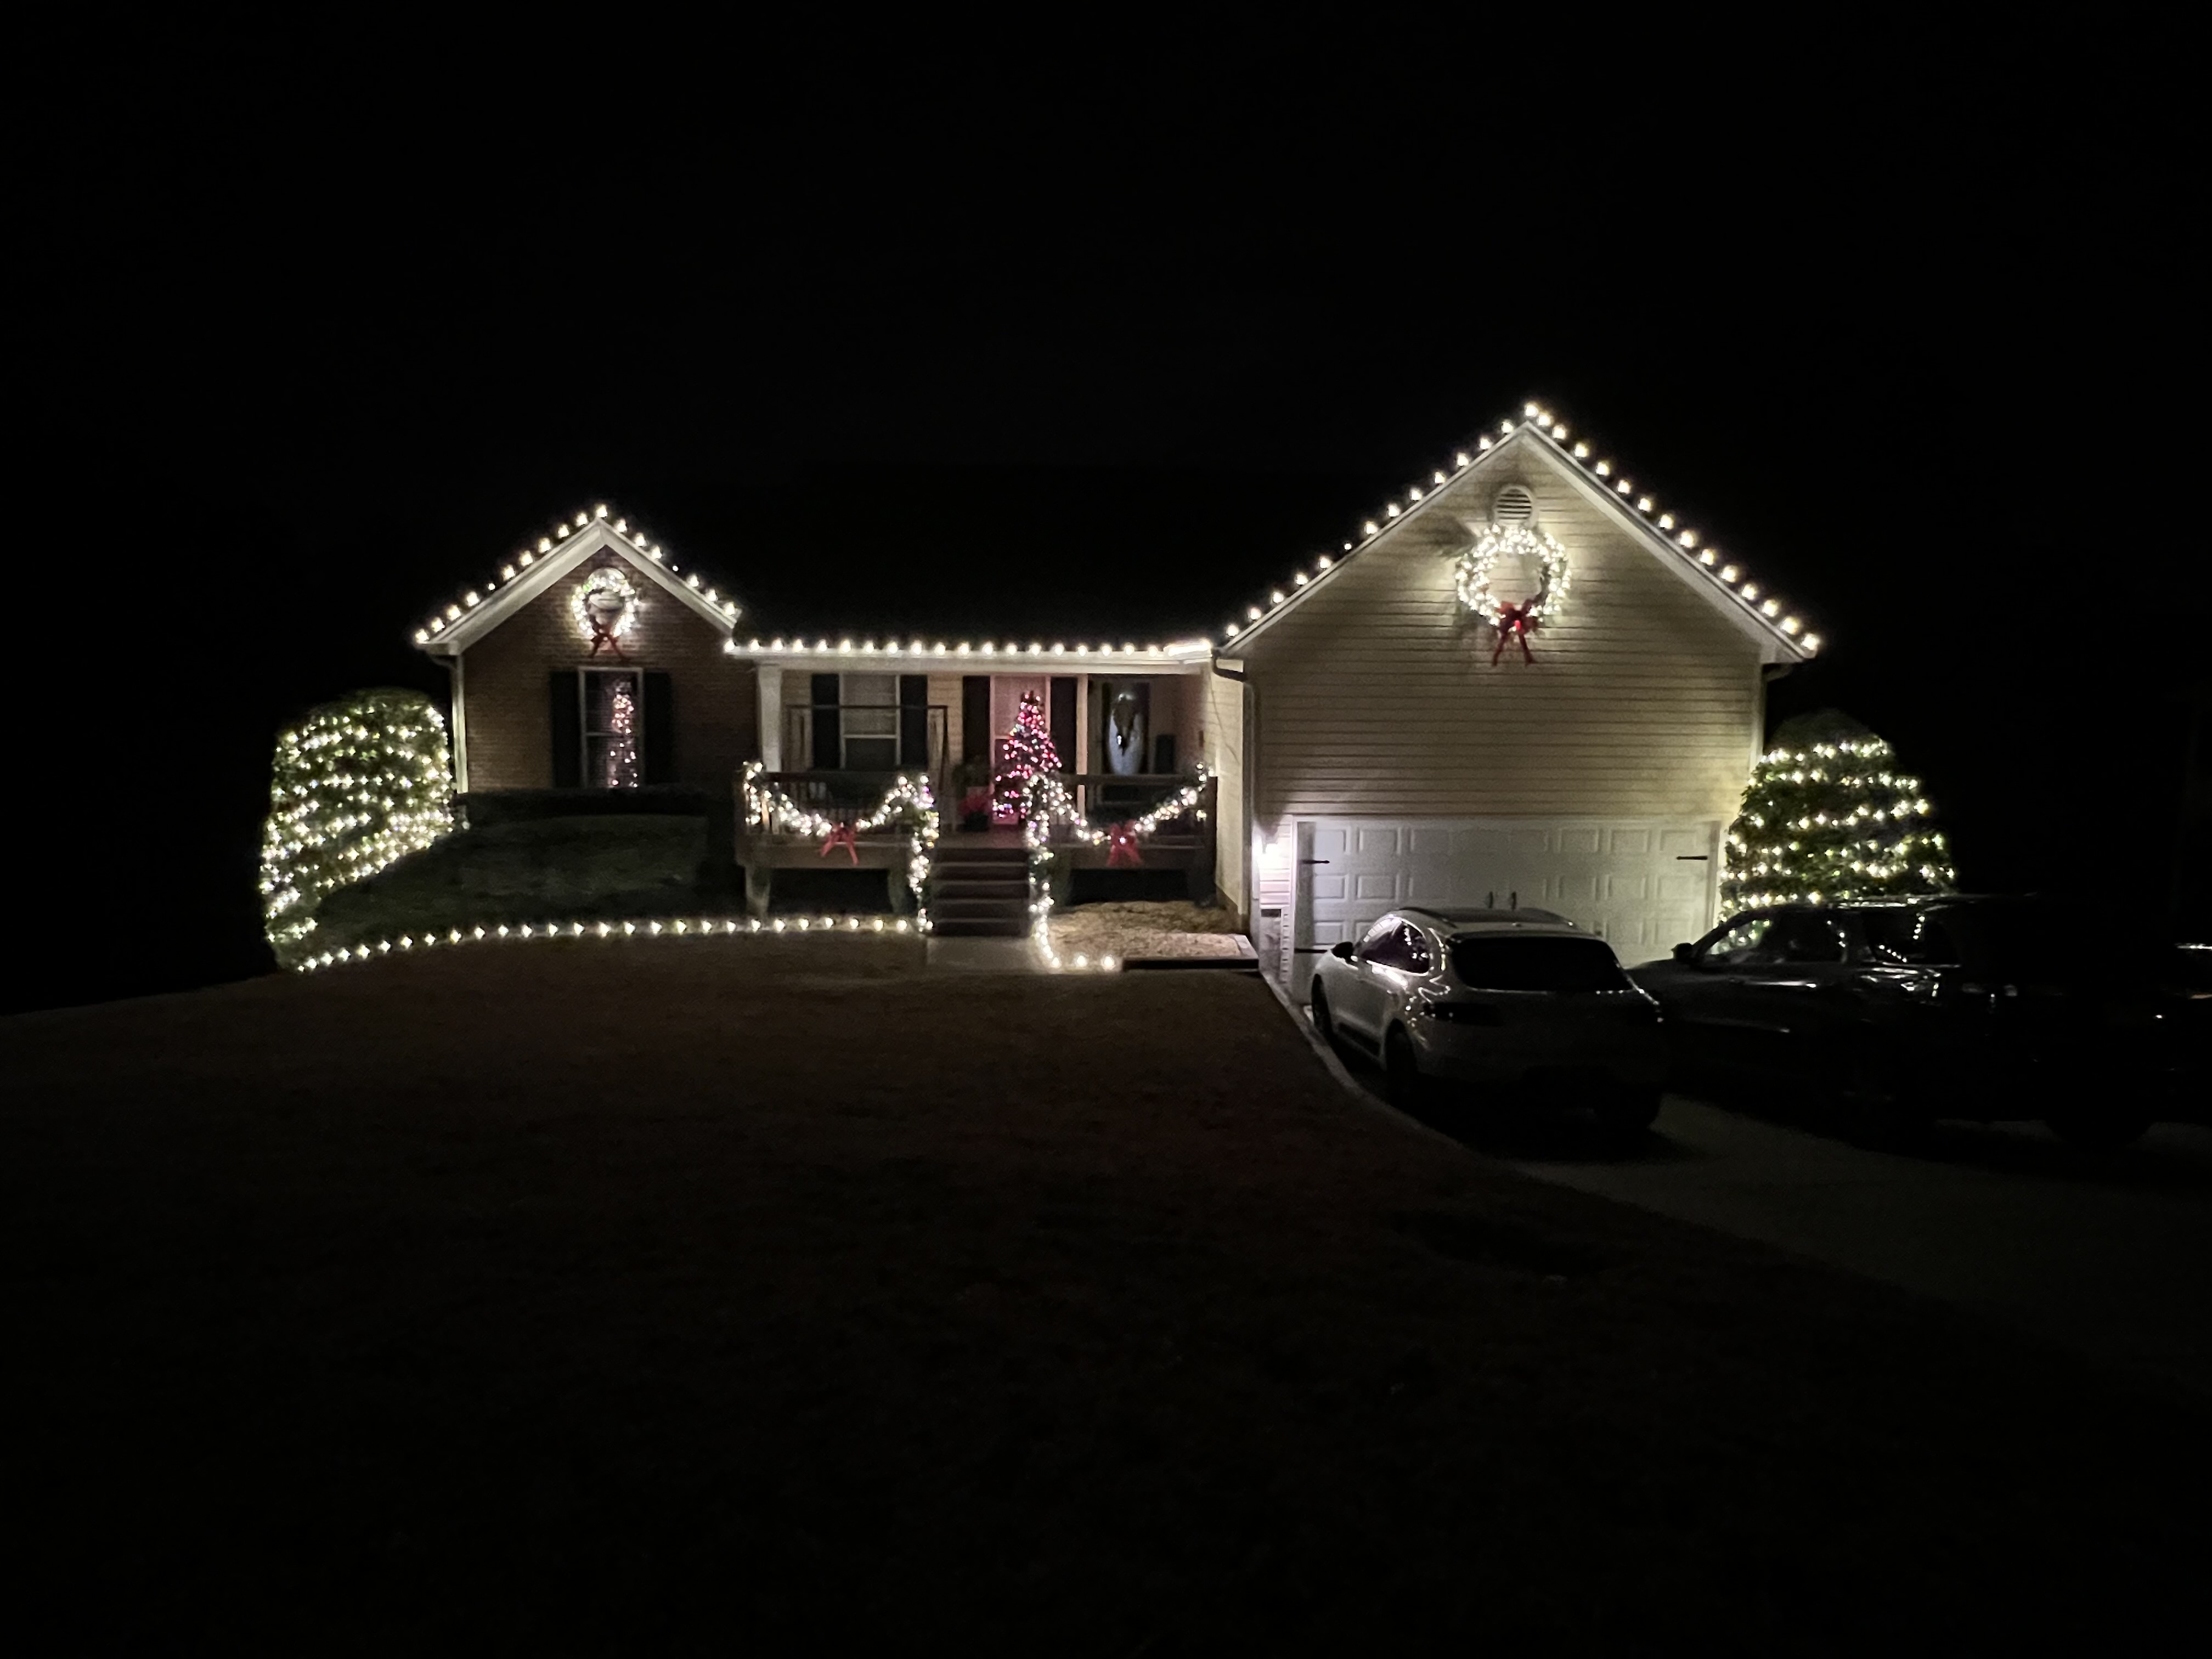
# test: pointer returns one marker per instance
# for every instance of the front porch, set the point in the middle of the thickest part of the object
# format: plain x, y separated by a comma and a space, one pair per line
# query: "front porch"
1183, 844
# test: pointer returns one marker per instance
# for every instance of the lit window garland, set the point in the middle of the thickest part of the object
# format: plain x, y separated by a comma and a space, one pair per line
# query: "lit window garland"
665, 928
1833, 821
909, 800
356, 785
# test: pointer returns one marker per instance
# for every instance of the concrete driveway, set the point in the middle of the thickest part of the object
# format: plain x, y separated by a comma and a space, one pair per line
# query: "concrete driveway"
2112, 1257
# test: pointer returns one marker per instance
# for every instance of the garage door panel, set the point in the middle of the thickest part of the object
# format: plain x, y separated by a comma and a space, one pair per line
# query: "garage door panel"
1643, 886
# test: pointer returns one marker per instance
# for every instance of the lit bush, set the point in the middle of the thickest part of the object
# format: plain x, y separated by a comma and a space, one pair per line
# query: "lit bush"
357, 784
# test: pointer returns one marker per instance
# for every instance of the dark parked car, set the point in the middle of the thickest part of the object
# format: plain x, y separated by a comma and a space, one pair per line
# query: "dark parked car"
1980, 1008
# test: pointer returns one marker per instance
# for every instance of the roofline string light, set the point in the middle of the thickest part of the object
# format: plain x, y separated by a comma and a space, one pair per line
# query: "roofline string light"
513, 570
1725, 575
795, 646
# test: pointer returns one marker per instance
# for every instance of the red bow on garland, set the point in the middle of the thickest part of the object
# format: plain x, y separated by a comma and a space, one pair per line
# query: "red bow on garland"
1513, 623
843, 836
1121, 852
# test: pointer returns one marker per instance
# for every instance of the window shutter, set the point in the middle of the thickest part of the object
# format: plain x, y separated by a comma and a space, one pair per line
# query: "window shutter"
659, 713
565, 712
914, 719
1063, 723
829, 733
975, 717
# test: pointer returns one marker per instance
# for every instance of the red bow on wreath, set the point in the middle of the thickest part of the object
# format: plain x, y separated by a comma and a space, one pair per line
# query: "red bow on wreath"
602, 634
1513, 623
1121, 852
841, 834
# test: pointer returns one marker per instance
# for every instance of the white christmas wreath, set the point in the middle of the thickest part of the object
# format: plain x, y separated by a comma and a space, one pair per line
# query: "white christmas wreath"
606, 604
1512, 622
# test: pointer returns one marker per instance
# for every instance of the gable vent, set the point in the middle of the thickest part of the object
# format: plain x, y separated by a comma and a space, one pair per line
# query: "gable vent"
1513, 505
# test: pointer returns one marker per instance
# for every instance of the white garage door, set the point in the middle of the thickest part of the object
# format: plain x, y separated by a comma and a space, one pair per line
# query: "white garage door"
1642, 884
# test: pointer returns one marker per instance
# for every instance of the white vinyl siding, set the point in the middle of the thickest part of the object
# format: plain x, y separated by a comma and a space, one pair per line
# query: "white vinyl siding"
1375, 696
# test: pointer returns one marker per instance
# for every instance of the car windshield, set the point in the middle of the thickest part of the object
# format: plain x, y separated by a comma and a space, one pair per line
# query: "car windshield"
1522, 964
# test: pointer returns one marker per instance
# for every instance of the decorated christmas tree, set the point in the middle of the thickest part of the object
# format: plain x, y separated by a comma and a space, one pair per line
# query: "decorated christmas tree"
1027, 753
1829, 815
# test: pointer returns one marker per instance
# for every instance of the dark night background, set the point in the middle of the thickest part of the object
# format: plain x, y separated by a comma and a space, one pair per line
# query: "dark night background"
962, 337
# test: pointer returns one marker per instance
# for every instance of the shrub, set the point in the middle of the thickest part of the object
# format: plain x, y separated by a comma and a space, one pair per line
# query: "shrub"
358, 783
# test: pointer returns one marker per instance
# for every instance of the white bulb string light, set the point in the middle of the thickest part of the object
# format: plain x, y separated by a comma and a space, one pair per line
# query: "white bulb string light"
1707, 561
660, 927
1047, 807
358, 783
1872, 841
726, 608
909, 800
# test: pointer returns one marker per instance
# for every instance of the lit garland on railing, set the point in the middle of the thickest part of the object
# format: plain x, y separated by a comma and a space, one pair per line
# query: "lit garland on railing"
1709, 560
1047, 805
1831, 821
671, 927
358, 784
908, 800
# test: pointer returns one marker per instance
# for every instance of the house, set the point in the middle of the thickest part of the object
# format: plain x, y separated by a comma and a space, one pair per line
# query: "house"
1521, 682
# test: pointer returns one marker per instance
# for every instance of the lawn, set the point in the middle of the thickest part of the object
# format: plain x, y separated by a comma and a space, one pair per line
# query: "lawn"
625, 1296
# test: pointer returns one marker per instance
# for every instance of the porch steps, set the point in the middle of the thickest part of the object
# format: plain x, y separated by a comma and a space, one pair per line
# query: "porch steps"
979, 889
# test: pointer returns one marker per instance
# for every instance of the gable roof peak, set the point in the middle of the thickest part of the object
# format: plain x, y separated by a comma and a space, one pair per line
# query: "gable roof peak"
546, 558
1722, 579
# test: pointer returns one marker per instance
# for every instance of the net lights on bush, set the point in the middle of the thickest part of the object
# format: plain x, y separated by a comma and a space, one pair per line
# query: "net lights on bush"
559, 538
1730, 577
1833, 821
666, 927
909, 801
1047, 806
358, 783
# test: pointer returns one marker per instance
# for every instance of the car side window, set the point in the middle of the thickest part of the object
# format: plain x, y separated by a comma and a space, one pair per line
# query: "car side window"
1742, 945
1910, 938
1807, 938
1417, 957
1380, 944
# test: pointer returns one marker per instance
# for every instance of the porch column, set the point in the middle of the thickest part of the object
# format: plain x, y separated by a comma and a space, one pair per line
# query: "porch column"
767, 706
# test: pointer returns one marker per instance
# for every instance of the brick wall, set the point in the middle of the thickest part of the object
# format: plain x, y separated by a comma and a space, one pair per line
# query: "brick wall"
505, 699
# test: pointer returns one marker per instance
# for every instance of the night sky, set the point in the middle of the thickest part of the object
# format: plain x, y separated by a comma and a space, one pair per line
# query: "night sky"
1004, 337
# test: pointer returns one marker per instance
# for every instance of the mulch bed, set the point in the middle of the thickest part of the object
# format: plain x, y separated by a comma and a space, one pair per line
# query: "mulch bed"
576, 1296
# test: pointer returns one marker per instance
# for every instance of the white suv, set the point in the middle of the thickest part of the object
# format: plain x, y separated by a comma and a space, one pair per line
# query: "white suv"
1496, 999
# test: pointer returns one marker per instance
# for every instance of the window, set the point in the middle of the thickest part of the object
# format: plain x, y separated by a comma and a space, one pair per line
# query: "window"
1391, 943
1913, 938
1508, 963
614, 723
1742, 945
869, 722
1804, 938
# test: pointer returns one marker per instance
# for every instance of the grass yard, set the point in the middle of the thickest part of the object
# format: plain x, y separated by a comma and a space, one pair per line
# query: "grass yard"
618, 1297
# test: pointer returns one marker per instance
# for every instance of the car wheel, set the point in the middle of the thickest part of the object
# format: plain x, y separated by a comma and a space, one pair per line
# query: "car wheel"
1627, 1114
2097, 1132
1401, 1072
1324, 1023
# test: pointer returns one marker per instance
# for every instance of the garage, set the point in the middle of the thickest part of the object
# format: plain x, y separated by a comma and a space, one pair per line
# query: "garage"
1640, 884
